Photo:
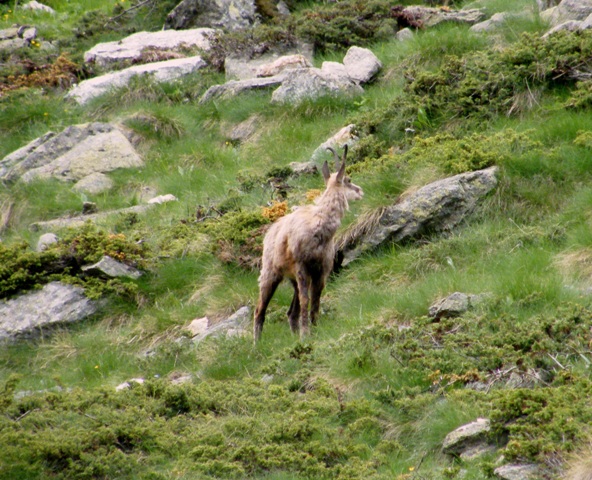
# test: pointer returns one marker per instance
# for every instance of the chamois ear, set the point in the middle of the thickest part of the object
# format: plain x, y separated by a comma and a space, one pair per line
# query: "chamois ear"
344, 152
326, 172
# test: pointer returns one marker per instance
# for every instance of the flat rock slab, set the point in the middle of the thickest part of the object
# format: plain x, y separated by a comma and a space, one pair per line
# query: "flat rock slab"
111, 268
466, 437
429, 17
236, 87
439, 206
74, 153
132, 48
311, 83
518, 472
166, 71
55, 303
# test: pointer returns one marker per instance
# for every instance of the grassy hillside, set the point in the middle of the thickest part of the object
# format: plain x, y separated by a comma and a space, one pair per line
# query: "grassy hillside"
378, 385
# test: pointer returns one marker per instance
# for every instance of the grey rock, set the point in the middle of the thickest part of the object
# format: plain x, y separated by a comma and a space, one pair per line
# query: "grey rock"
567, 10
198, 326
103, 152
347, 135
80, 220
236, 87
238, 324
127, 385
283, 8
74, 153
16, 37
132, 48
169, 197
429, 17
335, 69
466, 437
404, 35
437, 207
225, 14
518, 472
245, 66
454, 305
46, 240
38, 7
311, 83
94, 183
570, 26
496, 21
304, 168
111, 268
165, 71
361, 64
56, 303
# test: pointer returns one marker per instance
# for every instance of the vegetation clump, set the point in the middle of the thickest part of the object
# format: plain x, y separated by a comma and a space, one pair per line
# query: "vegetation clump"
23, 269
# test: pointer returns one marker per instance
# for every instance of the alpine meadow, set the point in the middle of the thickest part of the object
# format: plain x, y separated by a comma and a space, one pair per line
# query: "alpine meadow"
148, 146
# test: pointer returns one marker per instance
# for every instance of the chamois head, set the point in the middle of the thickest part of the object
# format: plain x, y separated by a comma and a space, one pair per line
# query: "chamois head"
340, 180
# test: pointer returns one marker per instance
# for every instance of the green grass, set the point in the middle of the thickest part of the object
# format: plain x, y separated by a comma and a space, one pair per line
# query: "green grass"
378, 385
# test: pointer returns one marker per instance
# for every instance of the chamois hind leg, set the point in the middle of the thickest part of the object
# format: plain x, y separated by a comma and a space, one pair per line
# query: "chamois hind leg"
303, 287
317, 286
294, 310
266, 290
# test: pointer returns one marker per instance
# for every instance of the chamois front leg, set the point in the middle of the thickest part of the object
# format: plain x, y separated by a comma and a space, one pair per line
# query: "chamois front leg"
303, 287
294, 310
267, 288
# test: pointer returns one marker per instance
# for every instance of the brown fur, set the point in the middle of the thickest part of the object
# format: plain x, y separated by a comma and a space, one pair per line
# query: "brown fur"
300, 247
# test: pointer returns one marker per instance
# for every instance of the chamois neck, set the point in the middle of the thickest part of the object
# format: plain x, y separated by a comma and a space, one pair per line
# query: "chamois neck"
333, 202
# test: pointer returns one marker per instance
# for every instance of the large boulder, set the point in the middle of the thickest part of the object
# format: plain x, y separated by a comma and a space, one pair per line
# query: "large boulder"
134, 47
226, 14
439, 206
311, 83
567, 10
76, 152
361, 64
55, 303
468, 441
428, 17
236, 87
165, 71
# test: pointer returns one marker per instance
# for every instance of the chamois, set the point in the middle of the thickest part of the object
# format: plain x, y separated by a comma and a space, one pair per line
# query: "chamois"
299, 246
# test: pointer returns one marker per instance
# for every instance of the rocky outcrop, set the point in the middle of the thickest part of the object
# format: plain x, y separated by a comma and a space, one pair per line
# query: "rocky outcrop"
236, 87
296, 79
518, 472
111, 268
469, 441
428, 17
437, 207
225, 14
80, 220
165, 71
17, 37
73, 154
135, 48
56, 303
310, 83
567, 10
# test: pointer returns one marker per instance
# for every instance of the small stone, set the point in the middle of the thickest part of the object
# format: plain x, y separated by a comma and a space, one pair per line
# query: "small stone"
466, 437
111, 268
162, 199
46, 240
38, 7
94, 183
404, 34
128, 384
304, 168
198, 326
